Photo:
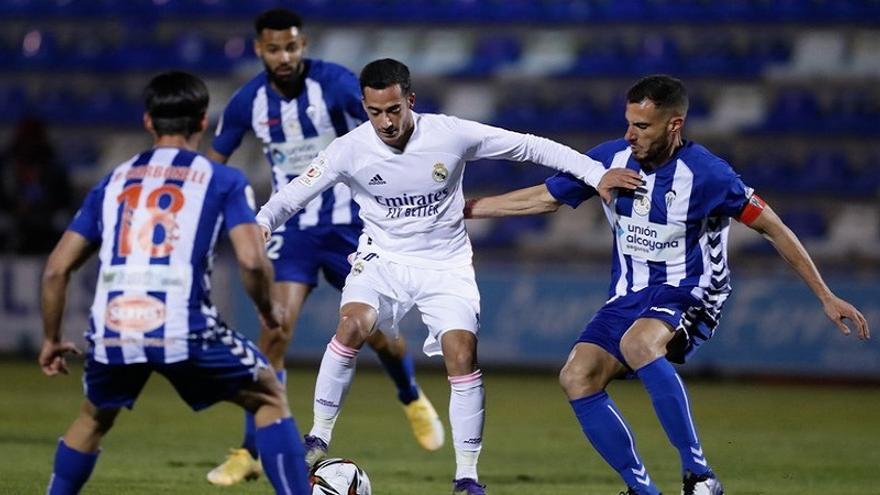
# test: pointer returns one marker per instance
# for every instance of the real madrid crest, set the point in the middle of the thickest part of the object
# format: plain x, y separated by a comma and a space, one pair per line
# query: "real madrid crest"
357, 268
642, 204
440, 173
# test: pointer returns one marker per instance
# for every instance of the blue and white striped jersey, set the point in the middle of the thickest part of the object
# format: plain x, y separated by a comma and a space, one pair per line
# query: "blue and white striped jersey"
674, 229
157, 218
294, 131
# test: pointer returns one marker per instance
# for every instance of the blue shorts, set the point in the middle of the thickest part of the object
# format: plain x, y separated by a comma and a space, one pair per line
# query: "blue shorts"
673, 305
218, 367
298, 255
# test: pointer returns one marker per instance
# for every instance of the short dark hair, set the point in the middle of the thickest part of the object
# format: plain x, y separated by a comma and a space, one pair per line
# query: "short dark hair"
277, 19
176, 102
664, 91
385, 72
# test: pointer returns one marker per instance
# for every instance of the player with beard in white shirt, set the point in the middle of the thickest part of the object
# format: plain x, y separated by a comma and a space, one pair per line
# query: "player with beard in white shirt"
405, 171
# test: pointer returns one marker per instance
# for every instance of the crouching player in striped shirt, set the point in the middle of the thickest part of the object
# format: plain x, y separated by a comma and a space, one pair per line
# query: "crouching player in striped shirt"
154, 221
670, 276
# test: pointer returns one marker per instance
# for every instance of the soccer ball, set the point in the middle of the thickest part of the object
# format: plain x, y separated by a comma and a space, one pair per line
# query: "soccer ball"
335, 476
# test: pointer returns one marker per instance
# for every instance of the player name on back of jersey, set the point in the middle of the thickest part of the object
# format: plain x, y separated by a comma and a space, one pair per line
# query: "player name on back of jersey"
413, 205
184, 174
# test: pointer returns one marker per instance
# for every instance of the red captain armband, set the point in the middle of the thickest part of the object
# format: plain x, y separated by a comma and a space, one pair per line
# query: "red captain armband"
752, 209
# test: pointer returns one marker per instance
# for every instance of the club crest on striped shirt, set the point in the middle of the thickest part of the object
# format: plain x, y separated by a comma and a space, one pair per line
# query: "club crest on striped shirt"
642, 204
670, 197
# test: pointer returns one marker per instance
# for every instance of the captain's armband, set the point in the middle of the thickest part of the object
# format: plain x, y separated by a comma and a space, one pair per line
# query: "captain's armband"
752, 210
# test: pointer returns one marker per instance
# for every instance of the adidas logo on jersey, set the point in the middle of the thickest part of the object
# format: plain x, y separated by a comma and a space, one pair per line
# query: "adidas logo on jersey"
377, 180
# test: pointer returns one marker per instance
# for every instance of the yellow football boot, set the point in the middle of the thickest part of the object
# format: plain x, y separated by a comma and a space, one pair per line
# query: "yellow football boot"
238, 466
425, 423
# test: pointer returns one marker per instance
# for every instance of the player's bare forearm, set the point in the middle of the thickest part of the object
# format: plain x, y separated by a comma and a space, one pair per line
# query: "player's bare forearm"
789, 247
256, 270
69, 254
529, 201
53, 299
793, 252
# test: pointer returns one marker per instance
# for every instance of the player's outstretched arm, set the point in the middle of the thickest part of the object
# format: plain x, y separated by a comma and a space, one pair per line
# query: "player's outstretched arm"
768, 224
69, 254
256, 270
528, 201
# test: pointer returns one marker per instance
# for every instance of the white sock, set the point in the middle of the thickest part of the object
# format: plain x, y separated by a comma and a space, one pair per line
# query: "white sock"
331, 387
466, 415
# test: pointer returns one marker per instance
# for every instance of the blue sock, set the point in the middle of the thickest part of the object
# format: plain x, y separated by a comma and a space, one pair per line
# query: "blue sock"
673, 410
71, 470
611, 437
250, 428
403, 372
283, 457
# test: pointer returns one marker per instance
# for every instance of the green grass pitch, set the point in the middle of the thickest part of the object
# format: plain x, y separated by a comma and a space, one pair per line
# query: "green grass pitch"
761, 439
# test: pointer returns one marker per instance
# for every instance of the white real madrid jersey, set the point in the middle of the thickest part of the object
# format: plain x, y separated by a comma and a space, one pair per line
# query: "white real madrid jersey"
411, 200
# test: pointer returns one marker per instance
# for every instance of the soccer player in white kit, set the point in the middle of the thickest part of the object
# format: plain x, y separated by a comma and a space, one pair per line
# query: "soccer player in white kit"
296, 107
405, 171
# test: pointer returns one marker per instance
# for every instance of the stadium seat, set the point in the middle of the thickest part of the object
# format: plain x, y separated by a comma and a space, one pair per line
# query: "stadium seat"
794, 109
657, 54
445, 53
825, 172
490, 54
608, 57
817, 53
545, 53
865, 55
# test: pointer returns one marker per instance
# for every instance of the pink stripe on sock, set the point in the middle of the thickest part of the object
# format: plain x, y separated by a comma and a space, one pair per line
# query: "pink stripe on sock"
458, 380
341, 349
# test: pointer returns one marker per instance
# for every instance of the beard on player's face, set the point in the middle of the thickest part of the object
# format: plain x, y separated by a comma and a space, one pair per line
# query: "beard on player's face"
283, 74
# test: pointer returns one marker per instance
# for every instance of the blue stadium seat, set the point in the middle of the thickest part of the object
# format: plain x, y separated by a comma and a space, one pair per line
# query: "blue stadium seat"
716, 55
768, 172
491, 53
826, 172
13, 101
855, 111
608, 57
657, 53
807, 223
794, 110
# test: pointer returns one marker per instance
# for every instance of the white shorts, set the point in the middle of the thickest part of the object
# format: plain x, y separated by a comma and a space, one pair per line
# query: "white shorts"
447, 298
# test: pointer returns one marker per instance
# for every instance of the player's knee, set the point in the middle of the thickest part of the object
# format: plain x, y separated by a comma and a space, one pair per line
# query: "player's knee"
352, 331
273, 391
637, 351
276, 341
580, 379
97, 422
386, 346
460, 361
